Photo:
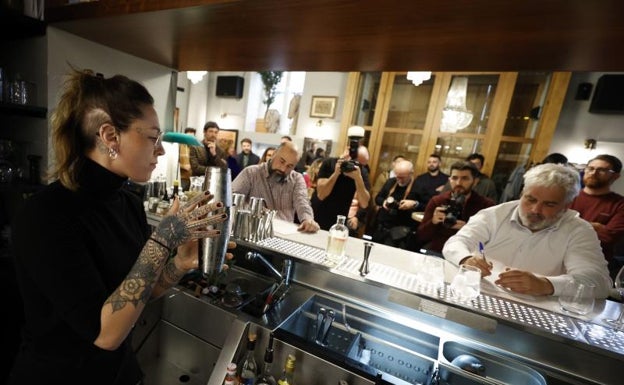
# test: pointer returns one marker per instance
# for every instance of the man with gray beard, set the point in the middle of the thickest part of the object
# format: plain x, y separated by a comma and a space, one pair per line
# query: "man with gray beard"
540, 243
396, 202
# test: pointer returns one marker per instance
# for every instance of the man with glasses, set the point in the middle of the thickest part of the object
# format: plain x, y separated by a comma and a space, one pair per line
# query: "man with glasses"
600, 206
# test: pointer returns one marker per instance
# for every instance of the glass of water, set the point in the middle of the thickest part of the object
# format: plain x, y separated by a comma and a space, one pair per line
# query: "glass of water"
466, 284
618, 322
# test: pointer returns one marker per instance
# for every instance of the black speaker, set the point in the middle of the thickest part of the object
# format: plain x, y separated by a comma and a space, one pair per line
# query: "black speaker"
230, 86
583, 91
609, 96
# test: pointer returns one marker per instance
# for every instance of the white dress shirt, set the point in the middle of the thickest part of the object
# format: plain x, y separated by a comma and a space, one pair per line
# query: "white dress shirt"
570, 247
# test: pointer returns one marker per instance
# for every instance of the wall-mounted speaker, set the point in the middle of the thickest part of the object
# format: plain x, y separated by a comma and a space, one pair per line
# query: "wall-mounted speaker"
583, 91
609, 95
230, 86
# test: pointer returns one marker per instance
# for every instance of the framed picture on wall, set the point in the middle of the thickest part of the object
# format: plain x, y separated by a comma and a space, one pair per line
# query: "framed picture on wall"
227, 139
323, 106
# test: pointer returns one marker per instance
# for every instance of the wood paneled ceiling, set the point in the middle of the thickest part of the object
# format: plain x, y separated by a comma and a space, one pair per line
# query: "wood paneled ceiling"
358, 35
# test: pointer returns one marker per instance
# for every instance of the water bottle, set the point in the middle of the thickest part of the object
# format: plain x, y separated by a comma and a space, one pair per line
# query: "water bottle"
337, 241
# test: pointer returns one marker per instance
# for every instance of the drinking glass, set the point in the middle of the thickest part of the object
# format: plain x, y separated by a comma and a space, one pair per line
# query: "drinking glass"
466, 284
618, 322
578, 296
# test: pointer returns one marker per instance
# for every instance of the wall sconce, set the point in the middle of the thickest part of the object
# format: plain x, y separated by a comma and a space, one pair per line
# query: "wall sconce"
590, 144
319, 123
455, 116
195, 76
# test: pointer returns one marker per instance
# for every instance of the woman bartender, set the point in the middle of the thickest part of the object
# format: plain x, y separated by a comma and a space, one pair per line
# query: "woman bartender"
86, 261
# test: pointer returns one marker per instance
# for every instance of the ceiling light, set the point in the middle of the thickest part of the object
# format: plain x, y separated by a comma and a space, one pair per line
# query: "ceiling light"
455, 116
195, 76
418, 77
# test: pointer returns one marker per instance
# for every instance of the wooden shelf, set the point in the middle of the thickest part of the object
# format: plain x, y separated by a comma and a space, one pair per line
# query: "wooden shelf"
23, 110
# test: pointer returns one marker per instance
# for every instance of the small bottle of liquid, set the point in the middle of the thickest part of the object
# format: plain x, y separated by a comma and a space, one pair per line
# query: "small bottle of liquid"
288, 375
230, 375
249, 367
266, 377
176, 188
337, 241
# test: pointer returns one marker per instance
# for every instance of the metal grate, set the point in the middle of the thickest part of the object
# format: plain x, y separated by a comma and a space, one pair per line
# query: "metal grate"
526, 315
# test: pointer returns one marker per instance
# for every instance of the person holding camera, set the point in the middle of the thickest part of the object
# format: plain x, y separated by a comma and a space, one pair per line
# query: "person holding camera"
449, 211
397, 200
339, 180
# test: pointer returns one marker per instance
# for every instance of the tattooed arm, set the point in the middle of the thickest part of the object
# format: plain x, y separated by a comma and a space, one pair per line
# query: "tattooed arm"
153, 271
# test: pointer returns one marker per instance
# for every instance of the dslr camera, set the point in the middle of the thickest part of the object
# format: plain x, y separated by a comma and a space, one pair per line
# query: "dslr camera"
453, 209
355, 134
392, 205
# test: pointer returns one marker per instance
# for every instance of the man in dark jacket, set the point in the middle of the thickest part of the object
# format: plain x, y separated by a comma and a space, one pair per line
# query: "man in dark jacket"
449, 211
246, 157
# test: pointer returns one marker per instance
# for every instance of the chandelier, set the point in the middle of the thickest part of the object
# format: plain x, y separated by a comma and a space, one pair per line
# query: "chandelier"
455, 116
195, 76
418, 77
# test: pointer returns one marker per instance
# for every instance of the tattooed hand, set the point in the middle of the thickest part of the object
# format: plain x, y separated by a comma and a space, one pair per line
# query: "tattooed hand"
189, 222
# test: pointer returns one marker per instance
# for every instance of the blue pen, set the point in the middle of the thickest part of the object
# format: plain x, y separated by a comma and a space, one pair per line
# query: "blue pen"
481, 251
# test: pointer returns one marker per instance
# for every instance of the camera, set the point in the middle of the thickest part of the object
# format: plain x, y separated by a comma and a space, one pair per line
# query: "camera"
355, 134
453, 209
392, 205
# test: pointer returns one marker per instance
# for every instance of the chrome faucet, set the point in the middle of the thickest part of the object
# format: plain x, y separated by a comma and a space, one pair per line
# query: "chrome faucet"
285, 276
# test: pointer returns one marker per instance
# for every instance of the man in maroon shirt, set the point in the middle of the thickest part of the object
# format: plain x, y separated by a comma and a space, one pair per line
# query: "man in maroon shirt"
437, 226
600, 206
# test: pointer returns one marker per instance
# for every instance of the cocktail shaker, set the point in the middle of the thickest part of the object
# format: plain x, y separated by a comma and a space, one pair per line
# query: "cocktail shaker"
212, 250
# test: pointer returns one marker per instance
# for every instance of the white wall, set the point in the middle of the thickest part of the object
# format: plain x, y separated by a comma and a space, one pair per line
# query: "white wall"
576, 124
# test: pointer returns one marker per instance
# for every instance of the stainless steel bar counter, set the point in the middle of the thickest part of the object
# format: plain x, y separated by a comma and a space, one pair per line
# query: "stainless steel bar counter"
521, 339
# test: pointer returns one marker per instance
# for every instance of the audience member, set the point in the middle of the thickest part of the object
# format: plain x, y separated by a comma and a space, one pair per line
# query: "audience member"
246, 157
313, 175
285, 138
185, 163
267, 154
449, 211
319, 153
537, 240
209, 153
232, 162
600, 206
397, 200
483, 184
335, 189
513, 188
384, 175
282, 188
430, 183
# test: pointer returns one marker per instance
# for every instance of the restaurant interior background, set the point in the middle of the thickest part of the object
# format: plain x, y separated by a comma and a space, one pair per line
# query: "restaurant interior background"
44, 57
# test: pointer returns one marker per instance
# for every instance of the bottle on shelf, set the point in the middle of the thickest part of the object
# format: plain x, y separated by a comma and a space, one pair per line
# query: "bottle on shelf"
288, 375
266, 377
337, 241
249, 367
230, 375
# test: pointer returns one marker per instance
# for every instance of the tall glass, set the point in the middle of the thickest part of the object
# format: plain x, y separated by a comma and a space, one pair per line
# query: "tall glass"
618, 322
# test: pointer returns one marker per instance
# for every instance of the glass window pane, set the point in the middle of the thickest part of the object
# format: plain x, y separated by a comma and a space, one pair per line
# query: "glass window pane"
451, 149
480, 94
395, 144
368, 89
409, 103
528, 97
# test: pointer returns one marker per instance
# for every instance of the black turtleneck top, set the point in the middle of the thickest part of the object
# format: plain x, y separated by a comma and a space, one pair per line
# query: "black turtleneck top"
72, 250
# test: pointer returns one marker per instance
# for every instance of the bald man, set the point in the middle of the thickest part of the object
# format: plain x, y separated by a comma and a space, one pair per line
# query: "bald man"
397, 200
280, 186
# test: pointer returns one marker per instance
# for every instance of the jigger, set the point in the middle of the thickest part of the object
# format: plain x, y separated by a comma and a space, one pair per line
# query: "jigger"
364, 267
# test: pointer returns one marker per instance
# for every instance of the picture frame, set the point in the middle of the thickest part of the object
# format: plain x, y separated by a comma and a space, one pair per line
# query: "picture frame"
227, 138
323, 106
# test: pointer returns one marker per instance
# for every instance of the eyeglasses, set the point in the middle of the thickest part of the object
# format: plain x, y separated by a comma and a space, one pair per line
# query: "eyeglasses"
159, 139
599, 170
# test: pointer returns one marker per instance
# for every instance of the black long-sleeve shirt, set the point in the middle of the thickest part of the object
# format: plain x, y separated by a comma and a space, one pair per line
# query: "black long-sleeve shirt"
72, 250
